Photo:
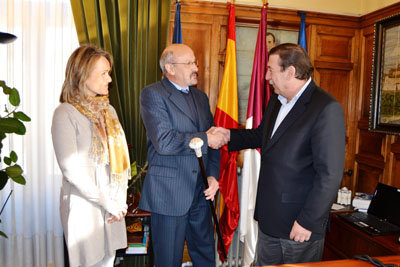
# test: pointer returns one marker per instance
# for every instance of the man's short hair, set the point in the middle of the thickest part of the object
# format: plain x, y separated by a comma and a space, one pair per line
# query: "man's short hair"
166, 57
294, 55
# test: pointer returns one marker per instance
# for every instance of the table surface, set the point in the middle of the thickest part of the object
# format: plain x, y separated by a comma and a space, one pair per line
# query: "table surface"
138, 213
395, 259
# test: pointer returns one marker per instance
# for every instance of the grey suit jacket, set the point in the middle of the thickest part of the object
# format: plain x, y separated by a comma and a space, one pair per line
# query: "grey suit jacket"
173, 167
301, 165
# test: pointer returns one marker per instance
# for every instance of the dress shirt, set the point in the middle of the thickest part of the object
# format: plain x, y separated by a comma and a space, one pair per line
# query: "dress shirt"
287, 107
184, 90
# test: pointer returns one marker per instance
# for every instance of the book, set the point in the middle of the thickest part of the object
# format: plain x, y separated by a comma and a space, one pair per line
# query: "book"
138, 248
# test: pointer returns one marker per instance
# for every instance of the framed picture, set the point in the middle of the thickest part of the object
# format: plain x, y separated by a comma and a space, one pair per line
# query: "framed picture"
246, 38
385, 91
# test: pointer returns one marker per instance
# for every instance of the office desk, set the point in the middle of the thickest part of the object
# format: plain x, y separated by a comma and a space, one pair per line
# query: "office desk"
344, 241
346, 263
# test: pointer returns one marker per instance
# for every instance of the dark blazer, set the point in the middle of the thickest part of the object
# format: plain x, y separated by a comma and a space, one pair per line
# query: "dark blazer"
301, 165
173, 167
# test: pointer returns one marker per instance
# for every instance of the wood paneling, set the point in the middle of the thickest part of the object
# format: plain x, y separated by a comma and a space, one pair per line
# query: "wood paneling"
335, 57
368, 178
336, 82
377, 155
334, 44
370, 145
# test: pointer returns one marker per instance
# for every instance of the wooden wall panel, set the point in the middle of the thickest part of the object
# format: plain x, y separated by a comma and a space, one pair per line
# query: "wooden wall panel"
334, 44
396, 170
370, 145
368, 178
335, 82
377, 155
335, 57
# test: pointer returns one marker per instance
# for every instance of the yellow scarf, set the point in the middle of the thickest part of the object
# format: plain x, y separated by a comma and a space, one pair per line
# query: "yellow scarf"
109, 143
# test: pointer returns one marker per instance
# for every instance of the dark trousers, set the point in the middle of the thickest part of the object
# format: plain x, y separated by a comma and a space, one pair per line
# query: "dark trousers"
169, 234
273, 251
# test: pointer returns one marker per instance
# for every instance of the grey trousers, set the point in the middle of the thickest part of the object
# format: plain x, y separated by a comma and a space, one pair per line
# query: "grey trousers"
274, 251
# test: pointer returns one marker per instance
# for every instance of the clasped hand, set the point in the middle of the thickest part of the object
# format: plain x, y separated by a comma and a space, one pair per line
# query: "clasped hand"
217, 137
118, 216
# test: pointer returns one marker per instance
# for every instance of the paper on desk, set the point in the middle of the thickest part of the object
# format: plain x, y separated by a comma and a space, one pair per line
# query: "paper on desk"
337, 206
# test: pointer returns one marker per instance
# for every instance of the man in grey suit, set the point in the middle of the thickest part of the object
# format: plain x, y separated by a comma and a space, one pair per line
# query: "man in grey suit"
302, 141
174, 112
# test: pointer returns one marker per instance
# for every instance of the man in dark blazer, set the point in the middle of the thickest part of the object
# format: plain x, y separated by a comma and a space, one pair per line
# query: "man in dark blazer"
302, 141
173, 113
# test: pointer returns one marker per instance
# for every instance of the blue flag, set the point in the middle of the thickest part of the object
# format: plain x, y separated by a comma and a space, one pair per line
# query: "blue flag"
177, 38
302, 32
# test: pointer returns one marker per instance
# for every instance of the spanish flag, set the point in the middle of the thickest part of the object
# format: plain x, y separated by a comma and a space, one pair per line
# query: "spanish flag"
226, 115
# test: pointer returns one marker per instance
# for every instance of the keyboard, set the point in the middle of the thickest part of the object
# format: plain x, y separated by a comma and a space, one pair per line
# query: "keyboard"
377, 225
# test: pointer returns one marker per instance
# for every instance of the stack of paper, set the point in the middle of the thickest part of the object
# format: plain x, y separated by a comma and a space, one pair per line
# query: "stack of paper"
361, 201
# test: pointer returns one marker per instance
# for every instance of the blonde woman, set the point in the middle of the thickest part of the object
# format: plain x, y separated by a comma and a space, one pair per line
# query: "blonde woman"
92, 153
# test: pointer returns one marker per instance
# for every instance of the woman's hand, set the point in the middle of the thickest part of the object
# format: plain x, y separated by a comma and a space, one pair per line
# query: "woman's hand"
118, 216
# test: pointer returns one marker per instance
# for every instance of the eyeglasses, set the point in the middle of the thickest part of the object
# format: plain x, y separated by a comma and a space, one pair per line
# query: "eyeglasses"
196, 63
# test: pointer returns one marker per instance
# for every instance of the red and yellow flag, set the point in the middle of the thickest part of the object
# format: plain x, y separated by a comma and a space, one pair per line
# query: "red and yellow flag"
226, 115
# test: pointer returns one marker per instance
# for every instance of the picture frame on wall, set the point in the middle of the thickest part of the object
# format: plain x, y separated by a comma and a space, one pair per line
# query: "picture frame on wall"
246, 38
385, 90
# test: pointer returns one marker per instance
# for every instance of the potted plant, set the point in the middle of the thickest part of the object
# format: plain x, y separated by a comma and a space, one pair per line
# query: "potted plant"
11, 122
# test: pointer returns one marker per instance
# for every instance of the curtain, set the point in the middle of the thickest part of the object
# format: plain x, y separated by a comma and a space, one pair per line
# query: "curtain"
135, 33
35, 65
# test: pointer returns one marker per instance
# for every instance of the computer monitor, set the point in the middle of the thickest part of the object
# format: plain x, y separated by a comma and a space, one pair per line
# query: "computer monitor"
385, 203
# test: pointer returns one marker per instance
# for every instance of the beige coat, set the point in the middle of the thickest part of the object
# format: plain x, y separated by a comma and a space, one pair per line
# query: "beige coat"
85, 197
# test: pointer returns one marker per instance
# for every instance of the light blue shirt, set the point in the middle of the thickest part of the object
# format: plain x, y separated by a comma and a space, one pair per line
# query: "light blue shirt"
287, 107
185, 90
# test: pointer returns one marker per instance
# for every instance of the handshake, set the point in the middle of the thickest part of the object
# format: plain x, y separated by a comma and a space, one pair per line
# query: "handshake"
217, 137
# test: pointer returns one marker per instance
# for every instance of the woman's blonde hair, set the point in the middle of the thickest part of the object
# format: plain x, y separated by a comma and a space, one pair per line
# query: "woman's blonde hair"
78, 69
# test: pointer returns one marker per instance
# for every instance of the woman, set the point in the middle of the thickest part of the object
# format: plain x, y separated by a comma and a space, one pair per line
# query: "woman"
92, 153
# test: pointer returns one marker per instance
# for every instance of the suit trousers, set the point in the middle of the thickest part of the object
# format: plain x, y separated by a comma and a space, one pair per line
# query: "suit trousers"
169, 234
273, 251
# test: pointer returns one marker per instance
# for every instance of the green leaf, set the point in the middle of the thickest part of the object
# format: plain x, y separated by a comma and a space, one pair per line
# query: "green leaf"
13, 156
21, 116
3, 179
6, 89
19, 179
14, 171
7, 161
14, 97
3, 234
133, 169
12, 125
